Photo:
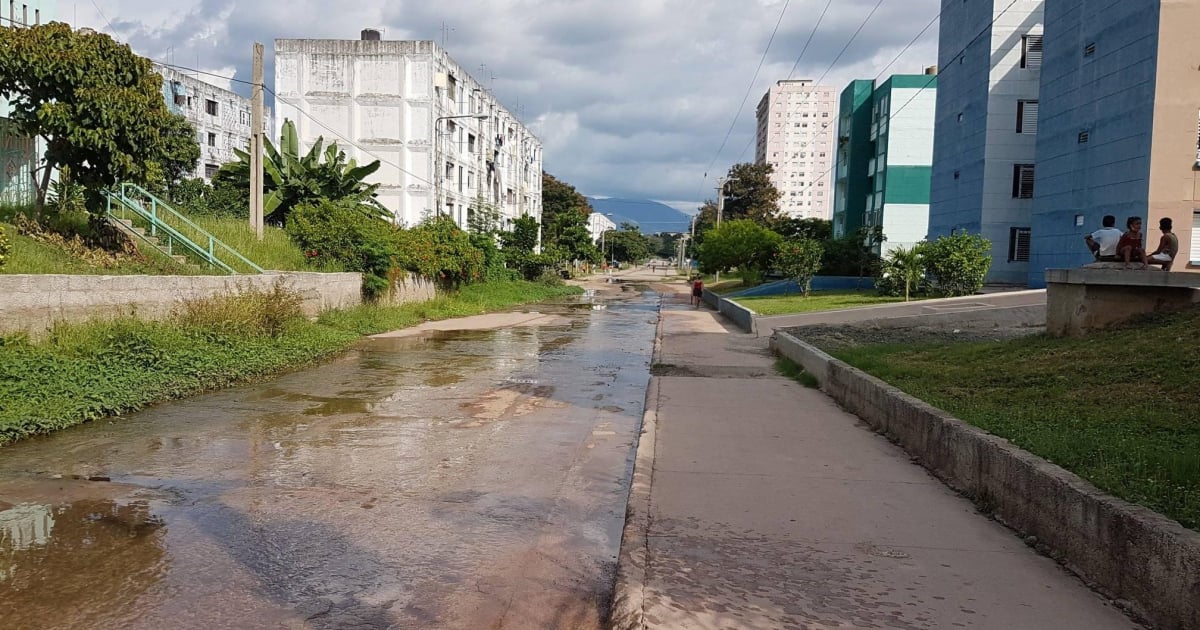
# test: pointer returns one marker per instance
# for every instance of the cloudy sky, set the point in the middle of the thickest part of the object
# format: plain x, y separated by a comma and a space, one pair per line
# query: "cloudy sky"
631, 98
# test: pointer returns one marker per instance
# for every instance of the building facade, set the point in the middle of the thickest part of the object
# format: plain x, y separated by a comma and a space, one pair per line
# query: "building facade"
990, 59
445, 143
797, 125
888, 147
20, 155
1120, 127
221, 118
598, 224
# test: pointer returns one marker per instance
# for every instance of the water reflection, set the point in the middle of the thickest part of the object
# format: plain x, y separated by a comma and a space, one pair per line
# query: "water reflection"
55, 558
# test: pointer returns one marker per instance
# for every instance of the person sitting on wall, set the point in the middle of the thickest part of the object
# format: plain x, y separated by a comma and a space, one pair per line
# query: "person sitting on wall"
1103, 242
1129, 248
1168, 246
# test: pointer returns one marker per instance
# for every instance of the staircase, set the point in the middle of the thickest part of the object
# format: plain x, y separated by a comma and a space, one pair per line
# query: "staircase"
135, 211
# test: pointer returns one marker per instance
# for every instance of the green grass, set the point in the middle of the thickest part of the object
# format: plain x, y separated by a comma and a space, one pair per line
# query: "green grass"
1119, 408
275, 252
817, 301
85, 372
790, 369
29, 256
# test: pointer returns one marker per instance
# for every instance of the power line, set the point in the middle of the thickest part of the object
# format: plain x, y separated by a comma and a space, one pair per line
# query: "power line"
817, 83
104, 17
749, 89
810, 38
204, 72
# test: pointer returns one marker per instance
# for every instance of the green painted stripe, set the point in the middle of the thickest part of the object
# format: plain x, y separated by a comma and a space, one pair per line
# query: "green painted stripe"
907, 184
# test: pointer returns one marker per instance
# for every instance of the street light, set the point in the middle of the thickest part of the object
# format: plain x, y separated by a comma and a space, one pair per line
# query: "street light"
437, 165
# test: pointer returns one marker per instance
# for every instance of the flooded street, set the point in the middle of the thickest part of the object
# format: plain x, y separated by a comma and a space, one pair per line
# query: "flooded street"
449, 479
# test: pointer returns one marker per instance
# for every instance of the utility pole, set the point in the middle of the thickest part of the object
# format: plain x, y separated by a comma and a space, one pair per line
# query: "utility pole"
256, 143
720, 212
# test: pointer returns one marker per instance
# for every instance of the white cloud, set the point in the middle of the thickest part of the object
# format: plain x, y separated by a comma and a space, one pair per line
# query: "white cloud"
632, 98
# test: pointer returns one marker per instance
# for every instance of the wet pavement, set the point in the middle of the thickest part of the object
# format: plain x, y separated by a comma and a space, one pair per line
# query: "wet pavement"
449, 479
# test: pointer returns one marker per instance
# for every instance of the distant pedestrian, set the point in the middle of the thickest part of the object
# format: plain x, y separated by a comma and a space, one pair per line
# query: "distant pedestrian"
1168, 246
1103, 242
697, 292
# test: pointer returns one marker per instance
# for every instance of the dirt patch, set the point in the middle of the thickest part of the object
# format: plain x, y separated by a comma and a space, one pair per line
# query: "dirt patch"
515, 401
835, 337
709, 371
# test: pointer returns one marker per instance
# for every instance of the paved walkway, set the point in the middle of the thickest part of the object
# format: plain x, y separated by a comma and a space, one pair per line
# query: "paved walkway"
758, 503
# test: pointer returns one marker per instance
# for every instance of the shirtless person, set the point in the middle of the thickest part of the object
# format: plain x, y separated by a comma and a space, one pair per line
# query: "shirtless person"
1168, 246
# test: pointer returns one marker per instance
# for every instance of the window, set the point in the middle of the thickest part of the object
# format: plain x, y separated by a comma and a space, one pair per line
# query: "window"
957, 174
212, 139
1018, 244
210, 107
1194, 253
471, 143
1090, 49
244, 117
1022, 181
210, 170
1031, 51
1084, 136
1027, 115
960, 117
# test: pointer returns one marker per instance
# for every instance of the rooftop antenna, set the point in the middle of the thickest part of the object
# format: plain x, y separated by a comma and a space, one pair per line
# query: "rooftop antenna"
446, 30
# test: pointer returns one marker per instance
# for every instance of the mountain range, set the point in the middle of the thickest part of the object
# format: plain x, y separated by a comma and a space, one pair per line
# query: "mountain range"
651, 217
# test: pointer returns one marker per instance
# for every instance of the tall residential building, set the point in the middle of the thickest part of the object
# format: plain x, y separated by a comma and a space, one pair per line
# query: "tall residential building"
444, 141
797, 122
885, 152
990, 58
221, 118
19, 155
1120, 127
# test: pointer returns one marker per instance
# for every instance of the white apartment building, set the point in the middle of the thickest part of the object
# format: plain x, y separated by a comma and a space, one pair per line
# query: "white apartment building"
598, 224
444, 141
985, 137
221, 117
797, 131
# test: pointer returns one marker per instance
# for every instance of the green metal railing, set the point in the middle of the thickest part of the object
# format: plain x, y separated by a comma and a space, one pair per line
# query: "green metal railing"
172, 233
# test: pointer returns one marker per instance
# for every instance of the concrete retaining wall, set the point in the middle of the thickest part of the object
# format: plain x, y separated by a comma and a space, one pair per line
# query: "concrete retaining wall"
1129, 553
33, 303
409, 288
738, 314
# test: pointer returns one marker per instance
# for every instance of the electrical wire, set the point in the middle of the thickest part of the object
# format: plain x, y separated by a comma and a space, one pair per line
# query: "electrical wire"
811, 35
749, 90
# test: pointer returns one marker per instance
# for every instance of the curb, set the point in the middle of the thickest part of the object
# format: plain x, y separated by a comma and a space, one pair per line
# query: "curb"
1148, 563
628, 608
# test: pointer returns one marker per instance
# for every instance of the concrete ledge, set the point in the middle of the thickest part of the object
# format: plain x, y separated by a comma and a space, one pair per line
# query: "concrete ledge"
1152, 277
1136, 556
1083, 300
738, 314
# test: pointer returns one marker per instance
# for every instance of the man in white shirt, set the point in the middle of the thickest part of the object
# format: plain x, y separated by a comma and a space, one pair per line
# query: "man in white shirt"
1103, 242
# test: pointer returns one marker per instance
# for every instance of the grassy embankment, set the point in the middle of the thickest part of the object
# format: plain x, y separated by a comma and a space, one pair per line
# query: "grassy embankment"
84, 372
818, 301
1120, 408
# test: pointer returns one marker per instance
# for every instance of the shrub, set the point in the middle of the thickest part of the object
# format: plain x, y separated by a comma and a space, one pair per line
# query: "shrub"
740, 243
250, 312
342, 232
5, 247
196, 197
439, 249
958, 263
903, 272
800, 259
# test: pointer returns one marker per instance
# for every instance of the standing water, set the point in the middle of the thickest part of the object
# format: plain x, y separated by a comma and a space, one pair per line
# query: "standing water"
457, 479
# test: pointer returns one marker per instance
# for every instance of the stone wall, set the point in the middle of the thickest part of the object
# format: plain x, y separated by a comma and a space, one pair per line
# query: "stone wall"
33, 303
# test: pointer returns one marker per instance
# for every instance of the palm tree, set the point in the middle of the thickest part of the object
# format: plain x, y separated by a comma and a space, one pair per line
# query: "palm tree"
910, 264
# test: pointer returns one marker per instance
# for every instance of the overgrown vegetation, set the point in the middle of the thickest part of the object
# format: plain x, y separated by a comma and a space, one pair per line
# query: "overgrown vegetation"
790, 369
1129, 422
949, 266
92, 371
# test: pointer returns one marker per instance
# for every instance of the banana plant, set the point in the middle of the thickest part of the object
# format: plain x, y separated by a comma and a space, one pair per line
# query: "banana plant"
323, 173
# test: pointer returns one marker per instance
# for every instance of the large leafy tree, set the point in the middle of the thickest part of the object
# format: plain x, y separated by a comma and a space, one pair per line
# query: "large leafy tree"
322, 174
559, 198
627, 244
749, 194
98, 106
800, 259
820, 230
740, 243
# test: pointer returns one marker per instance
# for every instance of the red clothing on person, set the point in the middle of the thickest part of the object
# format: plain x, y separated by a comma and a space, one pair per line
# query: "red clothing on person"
1129, 239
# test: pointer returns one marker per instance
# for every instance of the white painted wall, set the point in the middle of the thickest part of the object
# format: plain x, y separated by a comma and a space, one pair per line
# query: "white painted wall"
910, 131
904, 224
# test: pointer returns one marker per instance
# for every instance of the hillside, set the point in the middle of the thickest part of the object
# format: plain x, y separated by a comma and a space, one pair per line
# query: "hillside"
651, 217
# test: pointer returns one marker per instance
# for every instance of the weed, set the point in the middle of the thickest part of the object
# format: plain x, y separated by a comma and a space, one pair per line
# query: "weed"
790, 369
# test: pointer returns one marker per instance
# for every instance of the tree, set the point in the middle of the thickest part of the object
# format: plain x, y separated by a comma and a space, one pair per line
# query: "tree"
524, 235
800, 259
291, 180
904, 267
820, 230
339, 231
627, 244
98, 106
958, 263
559, 198
740, 243
568, 231
750, 194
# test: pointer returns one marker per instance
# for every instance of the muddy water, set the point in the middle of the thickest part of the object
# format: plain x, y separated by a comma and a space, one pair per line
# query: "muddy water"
471, 479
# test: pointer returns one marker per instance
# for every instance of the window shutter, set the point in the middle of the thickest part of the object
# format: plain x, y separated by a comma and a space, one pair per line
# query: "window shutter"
1023, 181
1031, 53
1194, 254
1018, 244
1027, 116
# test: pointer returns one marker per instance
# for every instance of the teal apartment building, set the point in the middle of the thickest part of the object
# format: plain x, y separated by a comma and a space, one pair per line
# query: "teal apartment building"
885, 157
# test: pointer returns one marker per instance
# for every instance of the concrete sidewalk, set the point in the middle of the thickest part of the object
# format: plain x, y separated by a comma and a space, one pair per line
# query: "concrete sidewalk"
758, 503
